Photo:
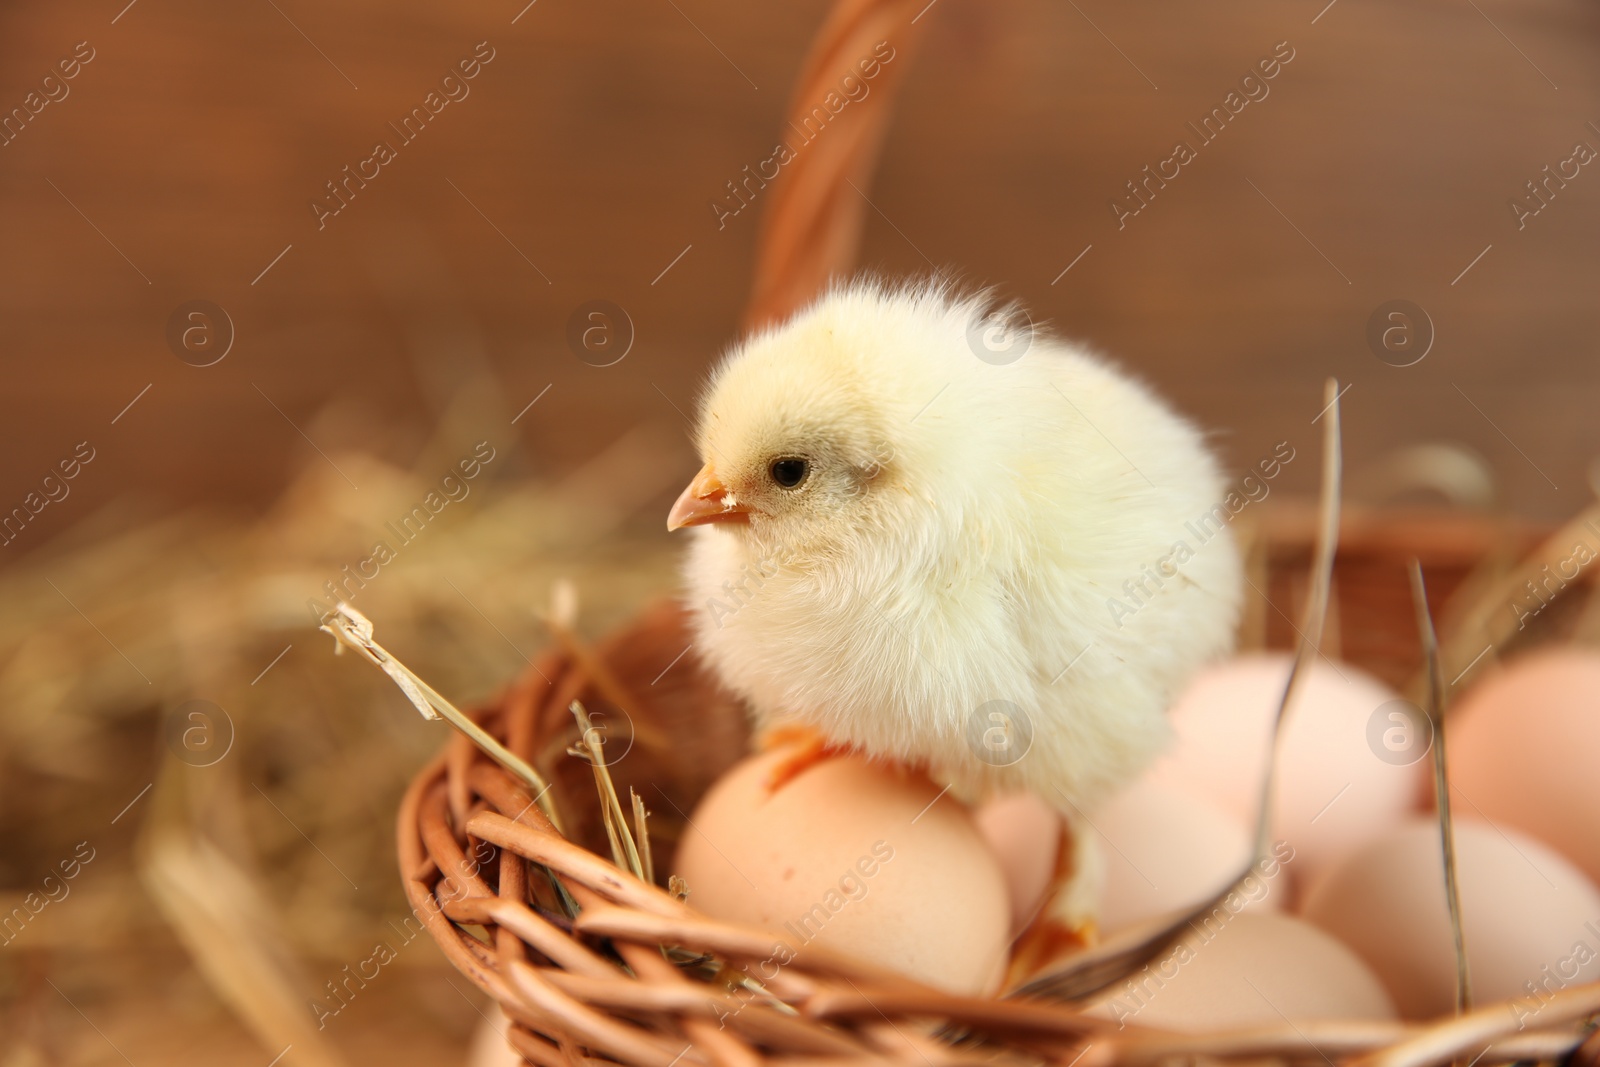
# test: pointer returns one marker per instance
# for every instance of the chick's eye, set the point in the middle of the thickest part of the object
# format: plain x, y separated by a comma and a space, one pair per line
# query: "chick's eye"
789, 471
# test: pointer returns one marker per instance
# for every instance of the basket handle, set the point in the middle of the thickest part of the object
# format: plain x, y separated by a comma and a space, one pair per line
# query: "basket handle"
812, 227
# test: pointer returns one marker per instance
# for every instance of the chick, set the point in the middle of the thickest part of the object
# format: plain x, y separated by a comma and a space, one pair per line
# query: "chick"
908, 540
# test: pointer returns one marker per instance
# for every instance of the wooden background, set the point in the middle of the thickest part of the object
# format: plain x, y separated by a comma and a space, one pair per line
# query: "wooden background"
194, 142
581, 167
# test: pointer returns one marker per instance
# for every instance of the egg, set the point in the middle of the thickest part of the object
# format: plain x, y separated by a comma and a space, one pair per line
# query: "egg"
855, 856
1247, 969
1024, 833
1522, 747
489, 1047
1164, 849
1352, 753
1531, 920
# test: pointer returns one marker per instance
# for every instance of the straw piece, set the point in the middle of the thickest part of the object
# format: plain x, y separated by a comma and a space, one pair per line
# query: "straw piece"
641, 833
221, 918
1434, 701
560, 623
1316, 613
624, 850
578, 863
351, 629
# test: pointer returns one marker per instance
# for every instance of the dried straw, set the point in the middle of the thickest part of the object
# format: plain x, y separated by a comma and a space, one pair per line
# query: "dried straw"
1434, 708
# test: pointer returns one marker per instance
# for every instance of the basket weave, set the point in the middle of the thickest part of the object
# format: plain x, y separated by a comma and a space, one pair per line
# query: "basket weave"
492, 881
474, 849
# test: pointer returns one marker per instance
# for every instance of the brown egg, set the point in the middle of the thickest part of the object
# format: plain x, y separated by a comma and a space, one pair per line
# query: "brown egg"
1349, 767
1531, 920
857, 857
1248, 969
489, 1047
1025, 835
1163, 849
1523, 745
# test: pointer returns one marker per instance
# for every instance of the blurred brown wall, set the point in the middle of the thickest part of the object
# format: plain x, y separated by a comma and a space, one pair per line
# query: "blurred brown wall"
187, 152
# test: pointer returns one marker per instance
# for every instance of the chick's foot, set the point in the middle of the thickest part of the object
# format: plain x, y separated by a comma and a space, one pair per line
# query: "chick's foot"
805, 748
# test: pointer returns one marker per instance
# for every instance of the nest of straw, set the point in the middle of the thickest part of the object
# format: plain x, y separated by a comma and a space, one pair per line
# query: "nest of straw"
207, 853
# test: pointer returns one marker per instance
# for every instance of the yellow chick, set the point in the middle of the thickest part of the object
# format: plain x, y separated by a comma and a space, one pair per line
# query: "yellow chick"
930, 534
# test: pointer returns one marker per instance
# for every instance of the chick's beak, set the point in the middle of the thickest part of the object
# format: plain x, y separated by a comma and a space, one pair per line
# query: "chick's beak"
705, 500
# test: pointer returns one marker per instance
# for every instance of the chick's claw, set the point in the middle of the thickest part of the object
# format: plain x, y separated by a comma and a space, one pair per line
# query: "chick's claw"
805, 748
1065, 923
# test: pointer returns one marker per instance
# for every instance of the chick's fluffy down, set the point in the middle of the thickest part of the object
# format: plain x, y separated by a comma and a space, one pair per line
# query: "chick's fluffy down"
958, 541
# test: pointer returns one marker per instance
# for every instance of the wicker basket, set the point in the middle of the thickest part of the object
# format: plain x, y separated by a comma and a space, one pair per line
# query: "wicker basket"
475, 851
493, 882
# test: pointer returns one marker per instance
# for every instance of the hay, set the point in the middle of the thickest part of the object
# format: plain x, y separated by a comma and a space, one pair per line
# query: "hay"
254, 861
